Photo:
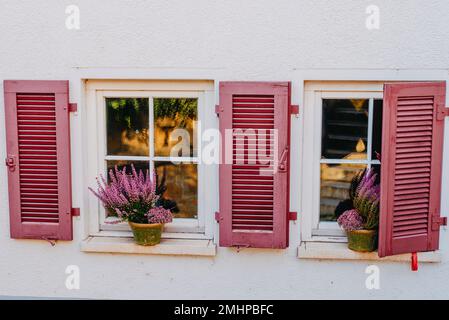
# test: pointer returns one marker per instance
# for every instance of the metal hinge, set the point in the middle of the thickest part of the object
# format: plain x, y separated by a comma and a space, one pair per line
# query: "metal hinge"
293, 216
442, 113
75, 212
218, 109
73, 107
294, 109
437, 222
217, 216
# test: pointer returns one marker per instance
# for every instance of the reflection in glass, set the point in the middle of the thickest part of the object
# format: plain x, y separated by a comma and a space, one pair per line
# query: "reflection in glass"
344, 129
335, 183
127, 126
179, 188
171, 114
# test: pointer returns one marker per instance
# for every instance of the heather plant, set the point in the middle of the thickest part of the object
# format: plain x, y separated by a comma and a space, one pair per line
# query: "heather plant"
350, 220
131, 196
365, 196
366, 200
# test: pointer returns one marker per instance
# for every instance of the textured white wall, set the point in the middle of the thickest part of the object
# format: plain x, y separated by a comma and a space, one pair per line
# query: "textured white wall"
232, 40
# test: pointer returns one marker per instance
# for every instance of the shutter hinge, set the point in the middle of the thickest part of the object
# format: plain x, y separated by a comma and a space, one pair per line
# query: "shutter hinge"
294, 109
442, 113
218, 109
293, 216
217, 216
75, 212
437, 222
73, 107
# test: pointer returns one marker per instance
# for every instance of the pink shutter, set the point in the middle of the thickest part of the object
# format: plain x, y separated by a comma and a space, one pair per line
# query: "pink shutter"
38, 159
411, 167
254, 206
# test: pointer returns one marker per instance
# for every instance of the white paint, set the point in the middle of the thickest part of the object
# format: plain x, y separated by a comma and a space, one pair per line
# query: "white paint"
263, 40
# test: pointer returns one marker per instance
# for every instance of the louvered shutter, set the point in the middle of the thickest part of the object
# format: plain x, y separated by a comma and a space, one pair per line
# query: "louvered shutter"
38, 159
253, 196
411, 167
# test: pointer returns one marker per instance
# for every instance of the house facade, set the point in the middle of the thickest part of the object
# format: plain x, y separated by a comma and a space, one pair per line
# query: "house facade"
336, 88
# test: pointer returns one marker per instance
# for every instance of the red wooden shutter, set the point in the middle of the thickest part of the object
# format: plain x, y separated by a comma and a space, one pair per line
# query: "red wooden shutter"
411, 167
38, 159
254, 206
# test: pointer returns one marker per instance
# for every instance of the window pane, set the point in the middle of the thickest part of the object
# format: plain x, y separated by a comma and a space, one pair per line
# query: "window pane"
179, 186
127, 126
171, 114
335, 183
377, 129
344, 130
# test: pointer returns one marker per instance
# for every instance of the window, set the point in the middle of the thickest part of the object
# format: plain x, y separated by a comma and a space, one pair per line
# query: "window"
346, 124
141, 127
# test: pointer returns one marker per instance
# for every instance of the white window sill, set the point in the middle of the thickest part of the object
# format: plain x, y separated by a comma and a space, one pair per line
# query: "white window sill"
182, 247
340, 251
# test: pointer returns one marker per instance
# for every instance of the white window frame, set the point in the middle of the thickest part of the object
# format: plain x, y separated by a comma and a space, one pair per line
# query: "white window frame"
96, 93
314, 93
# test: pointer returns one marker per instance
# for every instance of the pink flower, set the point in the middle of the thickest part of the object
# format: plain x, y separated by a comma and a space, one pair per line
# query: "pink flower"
350, 220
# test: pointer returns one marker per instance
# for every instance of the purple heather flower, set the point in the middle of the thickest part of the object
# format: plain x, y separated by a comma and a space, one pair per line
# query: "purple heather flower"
350, 220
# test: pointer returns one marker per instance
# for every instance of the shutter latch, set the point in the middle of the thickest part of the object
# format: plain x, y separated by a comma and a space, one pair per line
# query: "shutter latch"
10, 162
283, 160
293, 216
437, 222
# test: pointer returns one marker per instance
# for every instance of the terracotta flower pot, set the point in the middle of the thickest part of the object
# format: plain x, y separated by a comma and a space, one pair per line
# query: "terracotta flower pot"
146, 234
362, 240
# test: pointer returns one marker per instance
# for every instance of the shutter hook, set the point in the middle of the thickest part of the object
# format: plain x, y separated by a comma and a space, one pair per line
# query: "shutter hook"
52, 242
414, 261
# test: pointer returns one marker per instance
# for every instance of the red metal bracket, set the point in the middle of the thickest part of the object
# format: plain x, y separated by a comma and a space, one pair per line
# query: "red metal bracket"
293, 216
75, 212
294, 109
73, 107
442, 113
437, 222
414, 261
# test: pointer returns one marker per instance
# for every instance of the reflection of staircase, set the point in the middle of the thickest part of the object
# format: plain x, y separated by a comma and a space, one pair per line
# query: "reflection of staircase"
334, 191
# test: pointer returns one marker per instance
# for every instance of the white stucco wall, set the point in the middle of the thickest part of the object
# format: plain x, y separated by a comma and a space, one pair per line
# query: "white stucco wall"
226, 40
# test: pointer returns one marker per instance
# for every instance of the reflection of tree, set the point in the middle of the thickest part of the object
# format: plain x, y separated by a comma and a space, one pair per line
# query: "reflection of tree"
127, 120
182, 109
171, 113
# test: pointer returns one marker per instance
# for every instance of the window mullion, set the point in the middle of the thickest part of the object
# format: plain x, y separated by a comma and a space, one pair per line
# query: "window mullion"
370, 131
151, 135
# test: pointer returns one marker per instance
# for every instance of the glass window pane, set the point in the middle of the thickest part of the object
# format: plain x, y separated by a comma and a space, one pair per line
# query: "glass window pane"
377, 129
171, 114
335, 183
127, 126
179, 187
344, 130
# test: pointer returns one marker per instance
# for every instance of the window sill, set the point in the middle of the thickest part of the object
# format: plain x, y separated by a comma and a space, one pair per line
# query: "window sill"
340, 251
181, 247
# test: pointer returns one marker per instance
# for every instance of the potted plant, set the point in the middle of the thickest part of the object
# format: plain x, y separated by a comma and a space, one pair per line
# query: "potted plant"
133, 198
361, 222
